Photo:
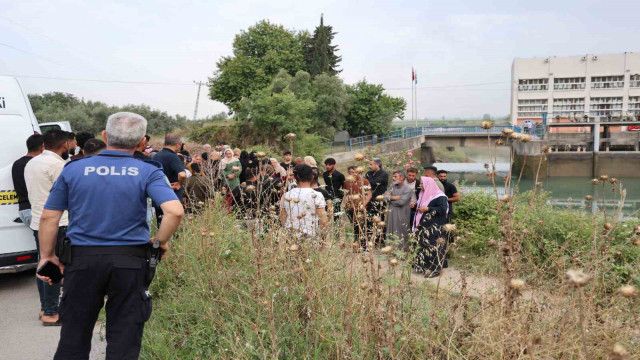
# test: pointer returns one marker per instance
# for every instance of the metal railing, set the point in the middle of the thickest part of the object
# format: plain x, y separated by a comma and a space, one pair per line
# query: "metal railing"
362, 142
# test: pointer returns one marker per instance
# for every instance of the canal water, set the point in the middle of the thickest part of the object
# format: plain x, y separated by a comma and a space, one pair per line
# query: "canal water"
565, 192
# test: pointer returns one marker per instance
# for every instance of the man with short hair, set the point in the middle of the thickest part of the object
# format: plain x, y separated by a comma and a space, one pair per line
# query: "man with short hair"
334, 181
449, 190
358, 195
141, 149
40, 174
298, 161
286, 164
432, 172
412, 182
172, 167
81, 139
302, 209
93, 147
398, 219
35, 146
109, 239
171, 163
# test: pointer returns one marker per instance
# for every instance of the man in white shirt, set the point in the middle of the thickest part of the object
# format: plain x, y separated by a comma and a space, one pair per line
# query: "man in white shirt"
40, 174
302, 209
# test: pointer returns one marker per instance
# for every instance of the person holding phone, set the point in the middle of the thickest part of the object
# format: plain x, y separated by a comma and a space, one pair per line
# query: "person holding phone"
106, 198
40, 174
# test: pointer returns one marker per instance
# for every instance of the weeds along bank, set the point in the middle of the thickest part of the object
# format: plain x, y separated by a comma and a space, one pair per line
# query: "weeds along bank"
552, 240
229, 292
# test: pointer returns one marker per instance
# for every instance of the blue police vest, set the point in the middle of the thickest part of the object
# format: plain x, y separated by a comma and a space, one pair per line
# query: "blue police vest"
106, 196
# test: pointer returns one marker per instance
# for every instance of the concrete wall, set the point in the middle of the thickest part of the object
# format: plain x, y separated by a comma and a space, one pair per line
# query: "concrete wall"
570, 164
395, 146
580, 164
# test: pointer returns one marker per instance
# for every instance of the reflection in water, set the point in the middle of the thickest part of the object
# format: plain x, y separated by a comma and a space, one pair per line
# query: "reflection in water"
566, 192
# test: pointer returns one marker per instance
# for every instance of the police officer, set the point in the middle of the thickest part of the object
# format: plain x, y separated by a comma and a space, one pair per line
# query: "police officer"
106, 199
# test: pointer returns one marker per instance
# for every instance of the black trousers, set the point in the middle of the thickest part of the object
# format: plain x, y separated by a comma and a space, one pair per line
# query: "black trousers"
358, 229
122, 279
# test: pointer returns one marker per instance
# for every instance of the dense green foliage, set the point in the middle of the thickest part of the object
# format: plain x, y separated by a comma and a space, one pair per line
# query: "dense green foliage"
281, 81
371, 111
91, 116
320, 55
258, 54
295, 104
551, 237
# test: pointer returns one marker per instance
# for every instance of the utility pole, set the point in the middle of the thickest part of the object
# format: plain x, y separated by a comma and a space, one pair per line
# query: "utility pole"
195, 111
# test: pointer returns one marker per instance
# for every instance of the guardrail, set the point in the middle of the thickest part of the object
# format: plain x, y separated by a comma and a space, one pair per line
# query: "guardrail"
408, 132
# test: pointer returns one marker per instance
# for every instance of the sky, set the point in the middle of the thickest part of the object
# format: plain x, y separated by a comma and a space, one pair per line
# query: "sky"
462, 50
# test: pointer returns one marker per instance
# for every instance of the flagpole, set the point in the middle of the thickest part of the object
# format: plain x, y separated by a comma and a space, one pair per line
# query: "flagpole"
412, 112
415, 95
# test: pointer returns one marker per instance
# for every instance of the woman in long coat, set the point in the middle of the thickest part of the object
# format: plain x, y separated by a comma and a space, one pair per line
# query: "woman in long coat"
431, 214
227, 163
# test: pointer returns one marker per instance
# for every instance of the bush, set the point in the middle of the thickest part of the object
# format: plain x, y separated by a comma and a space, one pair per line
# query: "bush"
552, 239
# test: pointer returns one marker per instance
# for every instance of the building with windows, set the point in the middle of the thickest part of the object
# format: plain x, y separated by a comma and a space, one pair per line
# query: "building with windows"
575, 89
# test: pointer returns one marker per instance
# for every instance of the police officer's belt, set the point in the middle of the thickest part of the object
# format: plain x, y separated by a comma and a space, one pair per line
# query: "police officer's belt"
135, 250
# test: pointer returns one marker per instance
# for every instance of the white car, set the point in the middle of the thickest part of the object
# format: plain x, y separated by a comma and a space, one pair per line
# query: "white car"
17, 245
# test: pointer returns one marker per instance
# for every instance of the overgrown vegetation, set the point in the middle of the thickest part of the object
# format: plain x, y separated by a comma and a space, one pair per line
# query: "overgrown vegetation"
563, 288
91, 116
280, 81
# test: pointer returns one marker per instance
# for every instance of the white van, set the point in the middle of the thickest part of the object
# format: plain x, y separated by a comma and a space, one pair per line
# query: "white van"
58, 125
17, 121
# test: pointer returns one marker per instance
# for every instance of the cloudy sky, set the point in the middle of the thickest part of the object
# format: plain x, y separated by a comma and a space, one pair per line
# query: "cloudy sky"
462, 50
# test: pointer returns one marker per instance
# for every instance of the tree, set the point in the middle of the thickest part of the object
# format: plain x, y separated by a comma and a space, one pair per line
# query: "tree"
320, 55
320, 106
371, 111
332, 104
91, 116
275, 111
258, 54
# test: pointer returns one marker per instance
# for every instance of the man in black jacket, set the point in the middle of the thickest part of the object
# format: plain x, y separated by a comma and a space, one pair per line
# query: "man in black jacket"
379, 181
334, 181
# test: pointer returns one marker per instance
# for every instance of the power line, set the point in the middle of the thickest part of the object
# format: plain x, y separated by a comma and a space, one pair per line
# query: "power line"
32, 54
69, 47
39, 34
101, 80
451, 86
443, 90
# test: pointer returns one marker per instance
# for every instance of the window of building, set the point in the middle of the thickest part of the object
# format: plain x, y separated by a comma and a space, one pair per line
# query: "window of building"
531, 108
635, 81
634, 105
573, 83
607, 82
533, 84
604, 106
568, 108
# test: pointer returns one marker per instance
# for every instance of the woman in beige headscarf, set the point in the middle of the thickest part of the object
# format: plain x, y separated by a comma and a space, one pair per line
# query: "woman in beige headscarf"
227, 165
278, 169
309, 160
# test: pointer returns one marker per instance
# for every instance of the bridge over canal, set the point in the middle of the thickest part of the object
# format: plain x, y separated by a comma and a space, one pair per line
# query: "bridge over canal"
426, 137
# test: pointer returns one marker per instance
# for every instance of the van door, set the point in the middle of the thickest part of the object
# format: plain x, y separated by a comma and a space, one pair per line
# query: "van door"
17, 245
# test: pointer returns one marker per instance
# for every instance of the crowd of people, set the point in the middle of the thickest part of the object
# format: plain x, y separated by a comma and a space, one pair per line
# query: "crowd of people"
381, 208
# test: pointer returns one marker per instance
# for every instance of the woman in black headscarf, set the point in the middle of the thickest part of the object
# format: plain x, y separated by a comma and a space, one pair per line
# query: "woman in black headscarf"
244, 161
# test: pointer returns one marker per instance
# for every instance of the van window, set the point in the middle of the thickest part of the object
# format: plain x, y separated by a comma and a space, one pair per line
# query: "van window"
46, 128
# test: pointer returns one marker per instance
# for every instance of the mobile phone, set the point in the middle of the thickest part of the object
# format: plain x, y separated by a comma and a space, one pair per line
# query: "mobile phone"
50, 270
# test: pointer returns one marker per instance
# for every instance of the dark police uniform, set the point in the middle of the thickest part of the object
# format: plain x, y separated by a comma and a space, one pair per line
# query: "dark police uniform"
106, 196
